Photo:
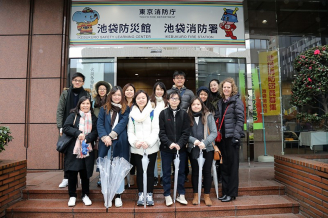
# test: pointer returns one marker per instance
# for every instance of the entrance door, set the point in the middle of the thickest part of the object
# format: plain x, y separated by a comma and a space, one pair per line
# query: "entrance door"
143, 73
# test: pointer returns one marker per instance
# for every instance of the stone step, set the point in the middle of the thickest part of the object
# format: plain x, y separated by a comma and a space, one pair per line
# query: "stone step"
248, 206
268, 187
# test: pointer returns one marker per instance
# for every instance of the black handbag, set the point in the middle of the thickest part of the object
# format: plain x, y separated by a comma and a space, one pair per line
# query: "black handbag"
64, 140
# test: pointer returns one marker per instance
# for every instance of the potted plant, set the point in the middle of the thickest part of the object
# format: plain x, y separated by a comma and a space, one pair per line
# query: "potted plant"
310, 87
5, 137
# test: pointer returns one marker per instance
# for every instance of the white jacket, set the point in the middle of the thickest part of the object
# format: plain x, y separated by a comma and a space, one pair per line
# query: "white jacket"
143, 129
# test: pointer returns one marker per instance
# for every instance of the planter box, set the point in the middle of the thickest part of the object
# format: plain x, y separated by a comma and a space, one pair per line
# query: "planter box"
12, 182
306, 180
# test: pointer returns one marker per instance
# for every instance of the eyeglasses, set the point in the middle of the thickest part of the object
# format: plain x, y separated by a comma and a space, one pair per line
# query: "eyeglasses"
179, 77
77, 81
174, 99
103, 90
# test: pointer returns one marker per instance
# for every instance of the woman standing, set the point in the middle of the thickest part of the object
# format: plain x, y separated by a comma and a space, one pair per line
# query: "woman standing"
82, 125
99, 94
143, 132
231, 111
112, 121
214, 95
203, 93
129, 91
174, 132
202, 135
159, 101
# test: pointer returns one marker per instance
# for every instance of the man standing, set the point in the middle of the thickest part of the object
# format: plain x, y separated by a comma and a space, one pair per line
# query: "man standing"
179, 78
67, 101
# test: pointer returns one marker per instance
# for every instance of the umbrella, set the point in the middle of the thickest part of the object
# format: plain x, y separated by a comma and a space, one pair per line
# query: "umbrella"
112, 173
201, 161
145, 162
215, 179
176, 172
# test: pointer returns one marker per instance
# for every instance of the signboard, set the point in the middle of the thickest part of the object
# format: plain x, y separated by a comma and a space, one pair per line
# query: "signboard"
269, 73
257, 108
160, 24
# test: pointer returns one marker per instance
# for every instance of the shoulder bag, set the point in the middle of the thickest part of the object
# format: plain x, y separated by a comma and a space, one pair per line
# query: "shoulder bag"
64, 140
219, 135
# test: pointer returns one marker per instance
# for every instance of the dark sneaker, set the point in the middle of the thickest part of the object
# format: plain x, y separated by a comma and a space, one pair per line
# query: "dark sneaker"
155, 181
161, 181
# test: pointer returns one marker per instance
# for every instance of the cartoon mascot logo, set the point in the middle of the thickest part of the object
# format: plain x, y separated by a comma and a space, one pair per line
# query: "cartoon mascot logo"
85, 19
229, 19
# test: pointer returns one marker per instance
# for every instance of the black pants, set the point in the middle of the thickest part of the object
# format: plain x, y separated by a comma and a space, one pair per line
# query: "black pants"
133, 163
150, 172
72, 181
229, 167
207, 182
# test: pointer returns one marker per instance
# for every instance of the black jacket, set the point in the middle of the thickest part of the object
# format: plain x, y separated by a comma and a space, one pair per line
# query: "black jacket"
185, 98
71, 162
234, 118
173, 129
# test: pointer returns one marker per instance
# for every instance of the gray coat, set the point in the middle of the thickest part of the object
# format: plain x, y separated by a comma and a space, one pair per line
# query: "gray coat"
186, 97
234, 118
210, 133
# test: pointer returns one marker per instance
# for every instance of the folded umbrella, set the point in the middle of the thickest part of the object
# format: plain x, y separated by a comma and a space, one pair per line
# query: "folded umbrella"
215, 179
201, 161
145, 162
176, 172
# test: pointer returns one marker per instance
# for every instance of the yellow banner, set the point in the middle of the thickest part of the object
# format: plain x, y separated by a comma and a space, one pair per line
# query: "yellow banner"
269, 72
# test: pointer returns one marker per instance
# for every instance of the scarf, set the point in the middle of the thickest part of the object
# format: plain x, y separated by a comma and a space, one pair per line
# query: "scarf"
85, 126
197, 114
140, 116
115, 108
159, 99
226, 100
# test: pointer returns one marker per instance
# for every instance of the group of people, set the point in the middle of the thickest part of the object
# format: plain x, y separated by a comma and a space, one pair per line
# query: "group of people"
128, 123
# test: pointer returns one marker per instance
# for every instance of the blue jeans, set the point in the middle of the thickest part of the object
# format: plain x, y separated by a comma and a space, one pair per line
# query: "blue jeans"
120, 190
167, 158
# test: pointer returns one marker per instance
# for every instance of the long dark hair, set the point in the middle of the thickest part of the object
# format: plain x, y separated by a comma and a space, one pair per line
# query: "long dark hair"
153, 96
125, 88
77, 108
108, 105
204, 110
135, 97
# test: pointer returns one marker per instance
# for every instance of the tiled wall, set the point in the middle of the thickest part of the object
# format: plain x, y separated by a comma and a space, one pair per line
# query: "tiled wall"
306, 181
33, 63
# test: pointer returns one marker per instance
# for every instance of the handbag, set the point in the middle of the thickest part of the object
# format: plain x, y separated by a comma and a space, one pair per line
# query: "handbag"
64, 140
217, 154
219, 135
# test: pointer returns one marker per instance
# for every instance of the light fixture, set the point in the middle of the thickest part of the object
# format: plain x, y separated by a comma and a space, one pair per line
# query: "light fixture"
264, 21
136, 74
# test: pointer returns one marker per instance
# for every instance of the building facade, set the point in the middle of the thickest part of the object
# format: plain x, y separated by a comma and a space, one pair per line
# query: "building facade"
39, 54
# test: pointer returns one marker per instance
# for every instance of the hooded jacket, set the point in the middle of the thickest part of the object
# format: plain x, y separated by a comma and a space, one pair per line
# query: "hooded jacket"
173, 129
234, 118
185, 98
143, 127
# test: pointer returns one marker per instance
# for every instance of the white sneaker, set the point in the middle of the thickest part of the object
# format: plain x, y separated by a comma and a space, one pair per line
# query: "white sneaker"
118, 202
63, 184
182, 199
168, 200
71, 201
86, 200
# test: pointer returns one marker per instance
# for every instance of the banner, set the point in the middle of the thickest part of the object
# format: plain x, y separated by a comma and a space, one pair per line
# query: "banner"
269, 72
257, 108
242, 88
160, 24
